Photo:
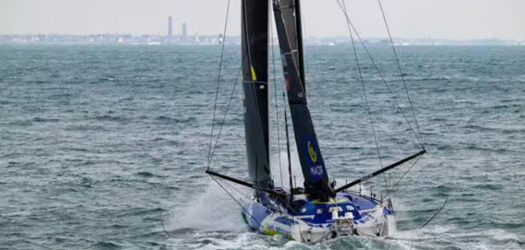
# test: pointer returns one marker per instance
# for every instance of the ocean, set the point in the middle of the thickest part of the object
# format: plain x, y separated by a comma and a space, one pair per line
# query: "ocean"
105, 147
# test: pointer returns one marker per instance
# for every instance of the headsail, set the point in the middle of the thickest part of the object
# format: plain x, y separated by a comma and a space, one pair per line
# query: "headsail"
291, 14
254, 34
312, 165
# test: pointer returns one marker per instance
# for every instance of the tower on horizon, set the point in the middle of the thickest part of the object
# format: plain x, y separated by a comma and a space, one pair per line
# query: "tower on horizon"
184, 30
170, 26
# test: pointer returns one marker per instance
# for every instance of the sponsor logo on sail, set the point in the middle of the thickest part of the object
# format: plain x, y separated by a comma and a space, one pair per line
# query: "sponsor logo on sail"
311, 152
316, 170
313, 158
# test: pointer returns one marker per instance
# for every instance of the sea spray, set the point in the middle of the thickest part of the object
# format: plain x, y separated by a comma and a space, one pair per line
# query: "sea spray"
282, 173
212, 210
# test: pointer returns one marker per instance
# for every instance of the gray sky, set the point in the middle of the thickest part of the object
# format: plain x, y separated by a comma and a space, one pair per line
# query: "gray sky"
448, 19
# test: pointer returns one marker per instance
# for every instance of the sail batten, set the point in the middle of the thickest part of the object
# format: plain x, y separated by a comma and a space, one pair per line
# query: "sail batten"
254, 32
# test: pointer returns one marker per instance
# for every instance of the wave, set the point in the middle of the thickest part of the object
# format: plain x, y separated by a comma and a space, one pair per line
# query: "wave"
142, 211
145, 174
40, 119
111, 118
106, 245
438, 236
74, 149
491, 187
168, 119
85, 127
22, 123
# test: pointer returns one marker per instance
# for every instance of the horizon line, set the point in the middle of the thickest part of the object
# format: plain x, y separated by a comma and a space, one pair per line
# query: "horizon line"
218, 35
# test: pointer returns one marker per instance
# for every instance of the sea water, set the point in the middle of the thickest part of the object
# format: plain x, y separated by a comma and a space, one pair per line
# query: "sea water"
105, 147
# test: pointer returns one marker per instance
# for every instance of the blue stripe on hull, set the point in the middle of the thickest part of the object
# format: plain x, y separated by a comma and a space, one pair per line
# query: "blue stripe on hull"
255, 214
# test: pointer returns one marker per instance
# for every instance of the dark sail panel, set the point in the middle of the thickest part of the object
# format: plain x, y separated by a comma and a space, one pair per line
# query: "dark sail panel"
291, 15
254, 33
312, 164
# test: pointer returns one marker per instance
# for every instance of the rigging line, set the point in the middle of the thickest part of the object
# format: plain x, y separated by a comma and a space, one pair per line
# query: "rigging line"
276, 104
393, 189
218, 82
288, 151
434, 216
403, 176
400, 70
303, 22
383, 78
223, 120
236, 201
164, 229
243, 195
344, 9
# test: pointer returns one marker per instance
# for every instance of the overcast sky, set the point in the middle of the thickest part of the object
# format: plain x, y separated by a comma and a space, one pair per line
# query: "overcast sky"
448, 19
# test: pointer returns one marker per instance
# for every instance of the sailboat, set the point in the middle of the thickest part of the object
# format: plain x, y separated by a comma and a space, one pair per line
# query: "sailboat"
319, 210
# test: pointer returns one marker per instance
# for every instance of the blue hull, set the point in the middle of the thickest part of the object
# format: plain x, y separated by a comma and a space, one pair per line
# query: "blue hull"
310, 221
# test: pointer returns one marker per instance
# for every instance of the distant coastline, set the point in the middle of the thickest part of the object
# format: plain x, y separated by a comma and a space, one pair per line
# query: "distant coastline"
124, 39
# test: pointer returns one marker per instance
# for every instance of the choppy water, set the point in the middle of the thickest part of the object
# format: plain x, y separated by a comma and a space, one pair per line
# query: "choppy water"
104, 147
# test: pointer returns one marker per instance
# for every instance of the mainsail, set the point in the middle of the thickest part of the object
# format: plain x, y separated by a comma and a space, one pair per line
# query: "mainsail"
254, 34
312, 165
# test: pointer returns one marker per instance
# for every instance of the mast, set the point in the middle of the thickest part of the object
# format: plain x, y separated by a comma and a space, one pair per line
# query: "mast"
299, 27
312, 165
254, 35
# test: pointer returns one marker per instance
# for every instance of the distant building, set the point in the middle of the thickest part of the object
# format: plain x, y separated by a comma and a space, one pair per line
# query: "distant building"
184, 30
170, 26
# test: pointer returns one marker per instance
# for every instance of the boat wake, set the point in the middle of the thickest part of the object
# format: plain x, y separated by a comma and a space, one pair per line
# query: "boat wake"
441, 236
212, 221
